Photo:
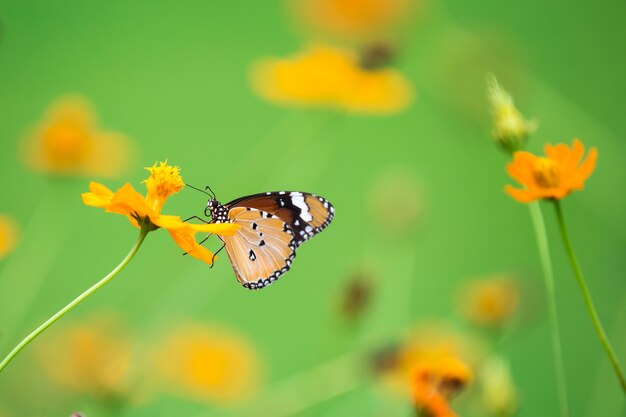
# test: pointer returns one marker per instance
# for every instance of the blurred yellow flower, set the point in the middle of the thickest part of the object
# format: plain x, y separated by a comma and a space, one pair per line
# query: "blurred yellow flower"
436, 381
164, 181
69, 141
327, 76
208, 363
489, 301
510, 129
553, 176
361, 19
94, 357
8, 235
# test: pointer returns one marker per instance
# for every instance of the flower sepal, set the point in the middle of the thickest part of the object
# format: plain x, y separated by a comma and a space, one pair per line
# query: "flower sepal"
145, 223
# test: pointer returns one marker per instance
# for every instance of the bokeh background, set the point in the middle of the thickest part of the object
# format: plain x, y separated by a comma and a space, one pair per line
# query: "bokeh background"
418, 190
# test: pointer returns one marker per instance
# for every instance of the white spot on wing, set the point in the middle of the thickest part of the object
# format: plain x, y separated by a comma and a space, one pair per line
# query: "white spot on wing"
298, 200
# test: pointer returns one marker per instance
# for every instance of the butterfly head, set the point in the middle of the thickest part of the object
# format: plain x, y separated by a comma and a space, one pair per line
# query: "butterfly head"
211, 206
215, 210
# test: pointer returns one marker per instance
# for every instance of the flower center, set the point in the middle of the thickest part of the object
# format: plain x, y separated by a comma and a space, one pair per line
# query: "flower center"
164, 181
545, 173
66, 144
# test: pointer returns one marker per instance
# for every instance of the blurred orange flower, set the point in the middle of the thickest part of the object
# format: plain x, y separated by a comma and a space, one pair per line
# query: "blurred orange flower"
553, 176
164, 181
352, 18
436, 381
8, 235
69, 141
489, 301
432, 343
207, 363
327, 76
94, 358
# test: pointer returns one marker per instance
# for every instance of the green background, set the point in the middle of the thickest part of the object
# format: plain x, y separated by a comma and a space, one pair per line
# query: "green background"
174, 77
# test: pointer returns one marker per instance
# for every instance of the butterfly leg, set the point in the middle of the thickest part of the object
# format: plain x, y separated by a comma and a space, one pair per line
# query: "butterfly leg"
205, 239
200, 243
197, 218
215, 254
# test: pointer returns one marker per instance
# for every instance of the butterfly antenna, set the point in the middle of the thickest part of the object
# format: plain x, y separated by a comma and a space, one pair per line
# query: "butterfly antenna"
202, 191
212, 192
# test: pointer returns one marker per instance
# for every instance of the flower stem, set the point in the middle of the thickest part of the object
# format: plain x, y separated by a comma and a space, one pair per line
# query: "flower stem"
142, 235
587, 297
546, 266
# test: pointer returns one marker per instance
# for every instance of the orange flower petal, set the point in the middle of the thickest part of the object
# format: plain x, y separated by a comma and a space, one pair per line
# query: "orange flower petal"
574, 157
175, 223
185, 238
127, 201
170, 222
100, 196
586, 168
521, 168
558, 153
222, 229
523, 196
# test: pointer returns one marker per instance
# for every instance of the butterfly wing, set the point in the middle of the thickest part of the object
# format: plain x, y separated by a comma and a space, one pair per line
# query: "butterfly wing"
262, 249
306, 214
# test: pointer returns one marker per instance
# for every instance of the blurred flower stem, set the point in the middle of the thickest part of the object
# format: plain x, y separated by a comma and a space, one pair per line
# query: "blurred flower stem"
548, 275
16, 301
587, 296
511, 131
145, 228
296, 394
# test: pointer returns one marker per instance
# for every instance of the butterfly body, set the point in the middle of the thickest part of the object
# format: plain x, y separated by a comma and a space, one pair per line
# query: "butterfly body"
273, 226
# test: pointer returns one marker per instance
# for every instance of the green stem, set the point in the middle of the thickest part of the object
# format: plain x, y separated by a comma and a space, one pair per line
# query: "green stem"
142, 235
587, 297
546, 266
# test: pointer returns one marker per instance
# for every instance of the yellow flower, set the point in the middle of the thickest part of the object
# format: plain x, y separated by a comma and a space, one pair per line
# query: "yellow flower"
69, 142
164, 181
553, 176
326, 76
436, 381
510, 129
94, 357
353, 18
207, 363
490, 301
8, 235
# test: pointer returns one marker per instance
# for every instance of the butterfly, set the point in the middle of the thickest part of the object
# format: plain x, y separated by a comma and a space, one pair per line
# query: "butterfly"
273, 226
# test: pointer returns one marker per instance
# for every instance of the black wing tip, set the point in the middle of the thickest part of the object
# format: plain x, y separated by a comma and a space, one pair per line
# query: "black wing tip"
305, 235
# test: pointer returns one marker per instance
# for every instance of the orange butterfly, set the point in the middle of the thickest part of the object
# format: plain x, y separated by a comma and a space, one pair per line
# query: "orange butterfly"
273, 225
